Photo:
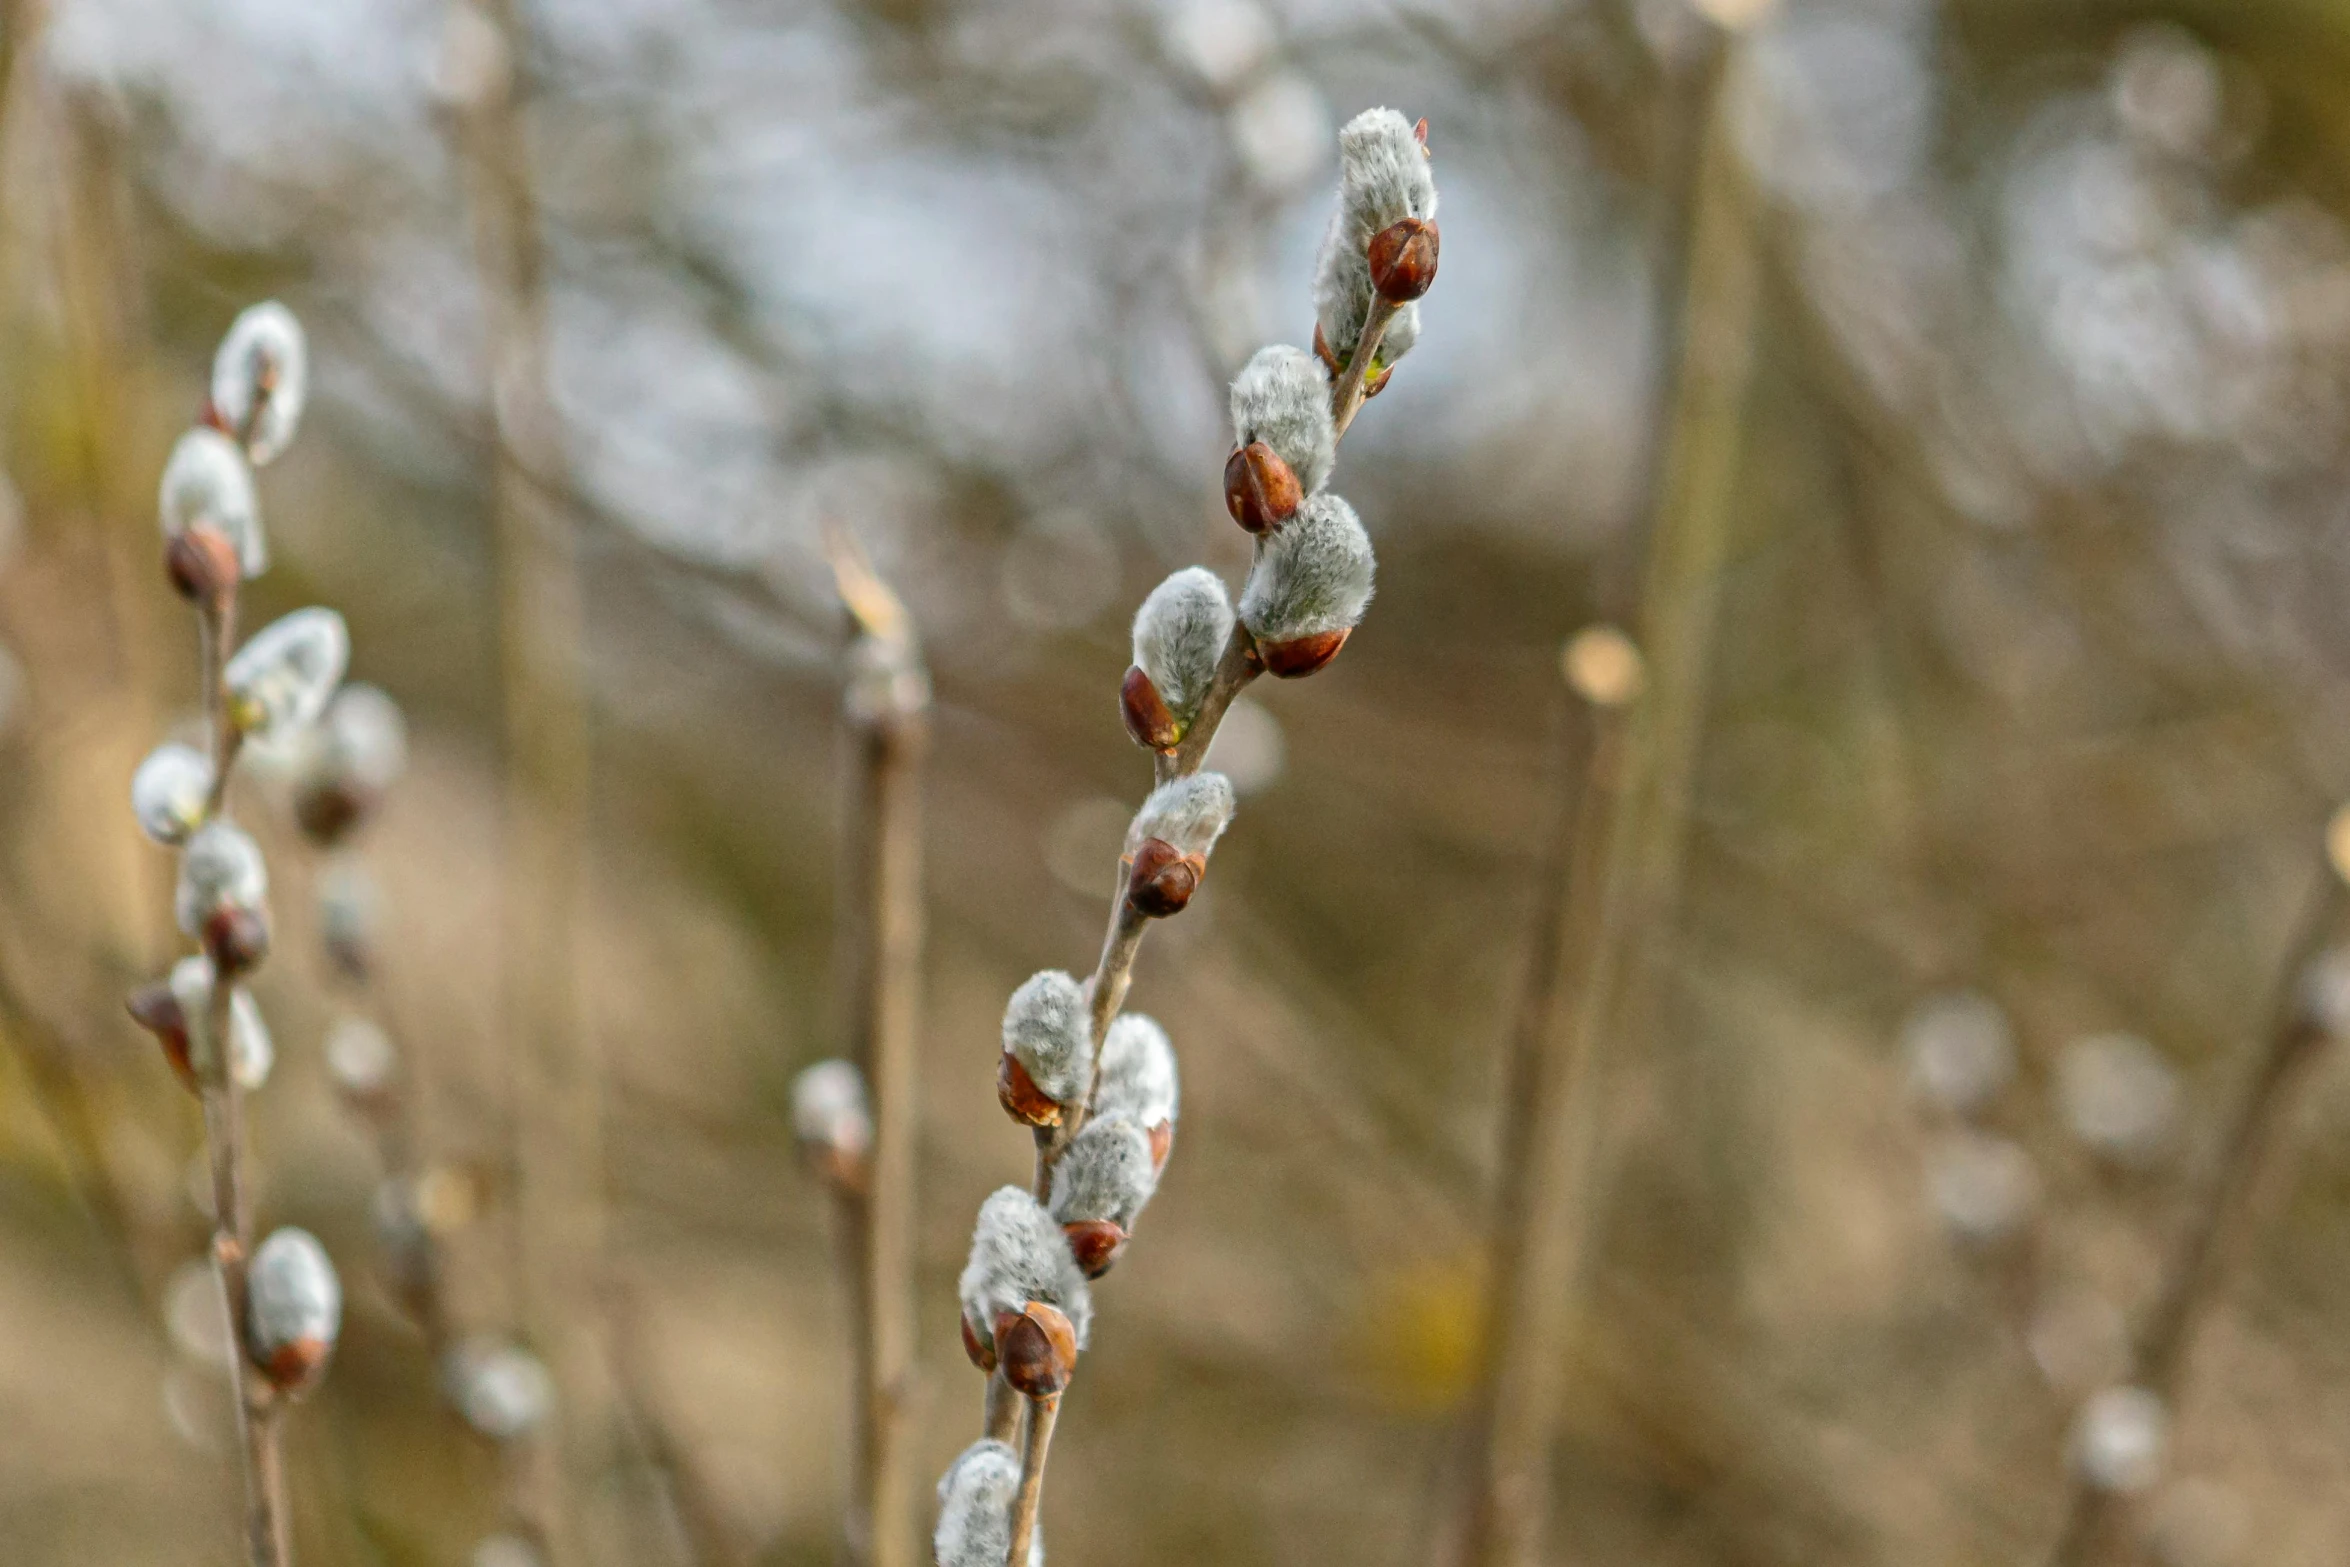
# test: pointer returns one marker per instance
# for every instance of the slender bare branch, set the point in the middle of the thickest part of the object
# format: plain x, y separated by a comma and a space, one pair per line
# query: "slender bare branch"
1042, 1413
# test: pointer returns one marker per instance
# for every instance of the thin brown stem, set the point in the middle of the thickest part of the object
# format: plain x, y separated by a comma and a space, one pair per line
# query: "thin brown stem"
1621, 873
2233, 1195
1235, 669
1042, 1412
1347, 398
1001, 1412
887, 708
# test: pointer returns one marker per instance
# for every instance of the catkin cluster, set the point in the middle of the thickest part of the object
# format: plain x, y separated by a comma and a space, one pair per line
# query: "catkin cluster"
1098, 1086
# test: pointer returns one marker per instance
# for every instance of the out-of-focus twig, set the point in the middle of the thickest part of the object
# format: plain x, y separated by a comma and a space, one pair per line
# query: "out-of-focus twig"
886, 706
2231, 1198
1620, 872
557, 1107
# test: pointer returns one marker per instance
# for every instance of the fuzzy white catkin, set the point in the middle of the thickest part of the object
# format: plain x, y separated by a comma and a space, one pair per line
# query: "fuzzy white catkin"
1190, 813
360, 741
1313, 576
975, 1498
503, 1390
1383, 178
1138, 1072
2118, 1096
1047, 1030
507, 1550
1018, 1254
1179, 634
347, 904
251, 1051
265, 338
221, 868
1282, 398
1960, 1050
2119, 1439
283, 678
1104, 1173
828, 1108
206, 481
169, 792
360, 1056
293, 1293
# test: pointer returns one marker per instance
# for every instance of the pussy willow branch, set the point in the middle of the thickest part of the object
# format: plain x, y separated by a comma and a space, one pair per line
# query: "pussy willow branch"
1106, 990
1622, 872
882, 934
557, 1106
2230, 1200
266, 1526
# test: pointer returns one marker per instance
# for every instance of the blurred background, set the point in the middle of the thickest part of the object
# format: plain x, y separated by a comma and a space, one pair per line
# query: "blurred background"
2021, 702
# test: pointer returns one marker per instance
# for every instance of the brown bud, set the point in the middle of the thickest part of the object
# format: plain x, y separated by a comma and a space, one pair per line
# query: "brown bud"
841, 1168
1301, 656
327, 811
236, 939
294, 1367
1163, 878
1420, 133
202, 565
1373, 385
1147, 718
154, 1008
1037, 1349
1162, 1138
1259, 489
209, 416
981, 1356
1095, 1243
1403, 260
1322, 352
1022, 1100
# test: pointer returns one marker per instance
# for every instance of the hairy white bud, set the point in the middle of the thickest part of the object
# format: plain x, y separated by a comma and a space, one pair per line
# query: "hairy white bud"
975, 1498
1179, 634
2118, 1096
828, 1109
1048, 1032
221, 868
360, 742
251, 1052
1383, 178
261, 378
506, 1550
1312, 577
1960, 1049
1190, 813
1138, 1073
1383, 174
2119, 1439
169, 792
1282, 398
502, 1389
293, 1307
1986, 1188
207, 482
1106, 1172
360, 1056
1018, 1254
282, 678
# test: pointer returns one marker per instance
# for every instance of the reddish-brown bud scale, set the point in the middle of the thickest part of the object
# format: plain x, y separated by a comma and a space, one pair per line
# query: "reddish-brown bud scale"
1037, 1349
1420, 133
1095, 1243
981, 1355
1162, 1138
1260, 490
1163, 878
1403, 260
1323, 352
236, 939
1301, 656
838, 1167
1375, 384
1147, 718
202, 565
208, 415
155, 1009
296, 1366
328, 811
1022, 1100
